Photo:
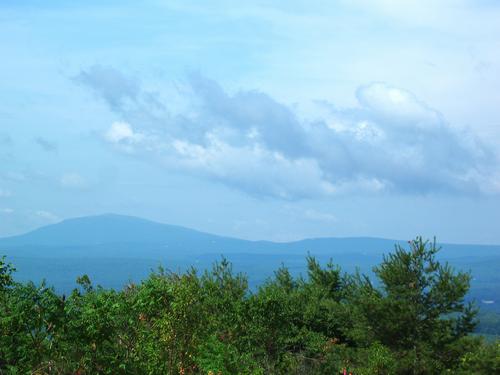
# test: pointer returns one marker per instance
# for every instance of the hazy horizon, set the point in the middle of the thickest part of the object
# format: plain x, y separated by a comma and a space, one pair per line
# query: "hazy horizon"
223, 235
261, 121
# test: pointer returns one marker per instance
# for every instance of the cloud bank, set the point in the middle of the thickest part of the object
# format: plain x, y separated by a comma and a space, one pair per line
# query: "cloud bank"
391, 141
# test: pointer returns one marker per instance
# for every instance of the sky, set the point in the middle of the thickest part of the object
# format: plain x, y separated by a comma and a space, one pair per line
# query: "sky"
254, 119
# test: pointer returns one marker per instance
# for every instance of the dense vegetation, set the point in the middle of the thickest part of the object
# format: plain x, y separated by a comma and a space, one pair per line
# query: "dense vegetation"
414, 321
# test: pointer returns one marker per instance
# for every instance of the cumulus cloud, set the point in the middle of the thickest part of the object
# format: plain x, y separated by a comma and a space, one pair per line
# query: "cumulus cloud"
46, 144
253, 114
124, 137
390, 141
120, 131
251, 168
73, 181
393, 106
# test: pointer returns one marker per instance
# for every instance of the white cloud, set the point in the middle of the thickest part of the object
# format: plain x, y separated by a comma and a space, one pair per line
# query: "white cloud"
126, 139
6, 211
247, 140
121, 132
252, 168
395, 106
73, 181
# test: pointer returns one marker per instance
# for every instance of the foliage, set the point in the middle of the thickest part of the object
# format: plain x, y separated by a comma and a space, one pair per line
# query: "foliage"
414, 322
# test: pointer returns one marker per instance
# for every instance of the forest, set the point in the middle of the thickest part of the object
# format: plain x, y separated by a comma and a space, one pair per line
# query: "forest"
410, 318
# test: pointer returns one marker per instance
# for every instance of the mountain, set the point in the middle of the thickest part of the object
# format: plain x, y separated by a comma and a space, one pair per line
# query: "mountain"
127, 236
104, 229
113, 249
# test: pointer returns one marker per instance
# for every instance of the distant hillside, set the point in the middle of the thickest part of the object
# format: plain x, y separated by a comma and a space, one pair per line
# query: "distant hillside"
104, 229
113, 249
112, 235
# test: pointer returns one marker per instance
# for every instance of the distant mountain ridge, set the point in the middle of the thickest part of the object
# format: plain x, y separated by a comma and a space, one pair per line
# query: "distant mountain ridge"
101, 229
113, 229
113, 249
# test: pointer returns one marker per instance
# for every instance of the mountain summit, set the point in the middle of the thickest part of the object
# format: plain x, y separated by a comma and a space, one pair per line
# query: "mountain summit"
104, 229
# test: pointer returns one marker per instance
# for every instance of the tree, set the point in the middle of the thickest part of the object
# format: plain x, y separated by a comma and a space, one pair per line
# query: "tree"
413, 320
419, 311
6, 271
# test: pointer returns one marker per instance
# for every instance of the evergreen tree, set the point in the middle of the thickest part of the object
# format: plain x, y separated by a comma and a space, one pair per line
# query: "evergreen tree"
420, 311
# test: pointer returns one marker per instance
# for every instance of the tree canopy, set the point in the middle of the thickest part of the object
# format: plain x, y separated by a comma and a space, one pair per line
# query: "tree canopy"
411, 319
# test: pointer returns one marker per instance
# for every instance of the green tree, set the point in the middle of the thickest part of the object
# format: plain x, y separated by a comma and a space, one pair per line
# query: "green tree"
413, 320
6, 271
420, 310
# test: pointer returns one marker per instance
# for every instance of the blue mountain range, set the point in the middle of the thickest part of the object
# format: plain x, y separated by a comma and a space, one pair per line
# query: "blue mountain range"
114, 250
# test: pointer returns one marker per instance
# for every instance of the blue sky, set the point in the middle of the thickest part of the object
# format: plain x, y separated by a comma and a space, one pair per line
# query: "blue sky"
255, 119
